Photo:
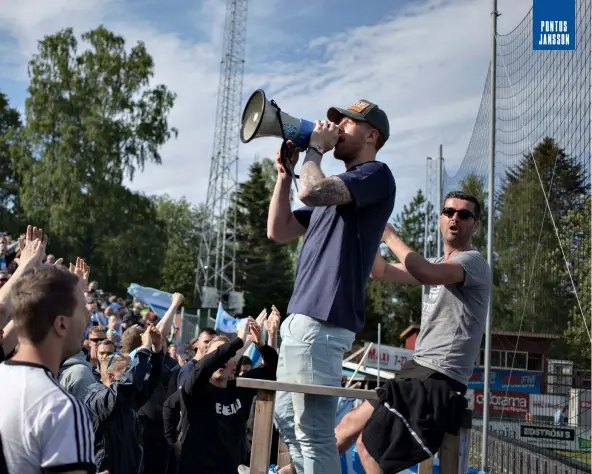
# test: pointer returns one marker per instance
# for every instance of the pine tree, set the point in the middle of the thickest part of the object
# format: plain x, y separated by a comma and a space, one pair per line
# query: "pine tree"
577, 334
264, 268
406, 299
475, 186
534, 291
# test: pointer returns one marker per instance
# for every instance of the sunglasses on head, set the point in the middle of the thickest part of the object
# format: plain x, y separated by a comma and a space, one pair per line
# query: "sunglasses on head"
463, 214
111, 359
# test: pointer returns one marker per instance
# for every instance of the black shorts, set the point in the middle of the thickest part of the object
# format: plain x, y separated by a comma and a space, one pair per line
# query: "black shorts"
413, 413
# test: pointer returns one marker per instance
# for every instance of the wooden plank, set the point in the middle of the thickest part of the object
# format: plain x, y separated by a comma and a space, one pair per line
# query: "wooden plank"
283, 454
262, 429
272, 386
426, 467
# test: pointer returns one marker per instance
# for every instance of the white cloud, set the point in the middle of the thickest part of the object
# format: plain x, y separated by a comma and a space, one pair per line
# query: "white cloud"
425, 68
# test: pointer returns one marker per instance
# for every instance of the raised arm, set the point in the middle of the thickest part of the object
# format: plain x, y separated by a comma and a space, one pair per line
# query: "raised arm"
208, 364
282, 224
425, 272
165, 324
391, 272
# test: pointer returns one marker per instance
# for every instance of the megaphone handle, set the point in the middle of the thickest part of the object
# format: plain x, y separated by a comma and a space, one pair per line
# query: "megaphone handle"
283, 159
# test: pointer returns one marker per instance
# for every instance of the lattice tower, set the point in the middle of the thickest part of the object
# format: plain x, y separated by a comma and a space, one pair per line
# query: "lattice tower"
216, 259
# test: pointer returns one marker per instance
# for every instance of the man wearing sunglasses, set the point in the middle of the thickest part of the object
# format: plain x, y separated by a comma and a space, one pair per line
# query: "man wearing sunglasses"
456, 289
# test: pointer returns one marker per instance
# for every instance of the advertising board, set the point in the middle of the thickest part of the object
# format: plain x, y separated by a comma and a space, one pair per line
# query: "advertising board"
502, 403
391, 358
508, 380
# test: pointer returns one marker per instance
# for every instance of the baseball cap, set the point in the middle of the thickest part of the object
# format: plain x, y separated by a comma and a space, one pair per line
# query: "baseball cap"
363, 111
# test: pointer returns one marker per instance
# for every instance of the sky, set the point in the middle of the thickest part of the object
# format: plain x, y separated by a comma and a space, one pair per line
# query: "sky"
422, 61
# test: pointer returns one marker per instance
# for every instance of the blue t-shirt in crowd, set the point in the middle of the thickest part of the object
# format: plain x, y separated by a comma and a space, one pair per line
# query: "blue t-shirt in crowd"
339, 248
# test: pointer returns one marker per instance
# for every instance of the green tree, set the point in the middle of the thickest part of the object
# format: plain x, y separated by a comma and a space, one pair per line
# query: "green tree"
402, 303
264, 268
183, 223
410, 226
133, 252
270, 174
577, 334
475, 186
10, 129
534, 288
92, 119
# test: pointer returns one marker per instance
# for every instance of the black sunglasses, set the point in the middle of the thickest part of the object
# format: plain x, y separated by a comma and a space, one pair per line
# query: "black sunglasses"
463, 214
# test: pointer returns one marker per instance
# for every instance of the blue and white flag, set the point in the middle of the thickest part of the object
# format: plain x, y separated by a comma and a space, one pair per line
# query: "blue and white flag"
225, 322
158, 301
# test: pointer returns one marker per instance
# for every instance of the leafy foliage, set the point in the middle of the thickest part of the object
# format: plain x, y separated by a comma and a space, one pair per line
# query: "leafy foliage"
183, 223
92, 119
10, 130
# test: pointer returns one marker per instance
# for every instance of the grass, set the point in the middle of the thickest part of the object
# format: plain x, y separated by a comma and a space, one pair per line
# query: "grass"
582, 456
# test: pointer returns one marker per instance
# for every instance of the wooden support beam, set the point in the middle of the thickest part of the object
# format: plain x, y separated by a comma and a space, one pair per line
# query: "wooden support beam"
262, 428
303, 388
454, 452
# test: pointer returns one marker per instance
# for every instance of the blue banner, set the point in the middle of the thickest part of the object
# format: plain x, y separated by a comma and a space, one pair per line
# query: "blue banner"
554, 25
158, 301
508, 380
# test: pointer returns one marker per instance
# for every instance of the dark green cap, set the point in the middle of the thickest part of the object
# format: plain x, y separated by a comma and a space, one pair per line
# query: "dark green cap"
363, 111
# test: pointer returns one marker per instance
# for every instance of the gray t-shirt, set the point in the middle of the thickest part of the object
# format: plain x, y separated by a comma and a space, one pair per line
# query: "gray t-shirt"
453, 320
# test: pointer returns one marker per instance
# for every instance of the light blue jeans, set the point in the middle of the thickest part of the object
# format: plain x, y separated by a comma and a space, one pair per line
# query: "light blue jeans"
311, 352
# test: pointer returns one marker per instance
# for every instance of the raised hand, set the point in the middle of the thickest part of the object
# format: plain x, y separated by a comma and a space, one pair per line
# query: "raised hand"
255, 334
32, 247
156, 337
147, 338
273, 323
81, 270
389, 231
292, 155
325, 135
261, 319
243, 331
177, 299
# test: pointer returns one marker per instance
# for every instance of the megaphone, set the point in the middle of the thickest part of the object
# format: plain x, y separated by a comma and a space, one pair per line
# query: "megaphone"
263, 118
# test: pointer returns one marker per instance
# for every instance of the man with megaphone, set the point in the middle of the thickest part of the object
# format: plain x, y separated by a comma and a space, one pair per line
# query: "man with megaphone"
342, 223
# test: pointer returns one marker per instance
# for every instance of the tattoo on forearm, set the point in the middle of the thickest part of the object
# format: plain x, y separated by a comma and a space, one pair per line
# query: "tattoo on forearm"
318, 190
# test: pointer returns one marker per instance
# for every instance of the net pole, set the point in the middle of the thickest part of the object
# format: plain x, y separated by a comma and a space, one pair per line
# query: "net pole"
490, 216
439, 201
425, 231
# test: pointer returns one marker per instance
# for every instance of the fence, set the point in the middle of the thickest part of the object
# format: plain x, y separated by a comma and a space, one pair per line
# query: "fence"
535, 432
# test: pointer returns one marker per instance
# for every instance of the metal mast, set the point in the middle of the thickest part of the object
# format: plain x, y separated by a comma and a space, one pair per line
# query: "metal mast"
490, 223
216, 270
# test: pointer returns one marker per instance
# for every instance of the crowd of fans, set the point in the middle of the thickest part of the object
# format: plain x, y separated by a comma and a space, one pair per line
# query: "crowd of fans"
95, 383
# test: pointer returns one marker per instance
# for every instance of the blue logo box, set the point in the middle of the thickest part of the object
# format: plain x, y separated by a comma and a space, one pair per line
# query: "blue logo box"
554, 25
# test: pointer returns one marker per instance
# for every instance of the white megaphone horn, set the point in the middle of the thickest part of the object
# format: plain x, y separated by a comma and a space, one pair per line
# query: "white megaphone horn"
263, 118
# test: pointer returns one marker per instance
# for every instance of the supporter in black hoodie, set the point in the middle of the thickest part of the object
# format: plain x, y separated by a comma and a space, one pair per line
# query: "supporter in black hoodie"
214, 410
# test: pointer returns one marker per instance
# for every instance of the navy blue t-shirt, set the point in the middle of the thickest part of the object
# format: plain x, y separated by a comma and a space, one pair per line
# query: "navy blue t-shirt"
339, 248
